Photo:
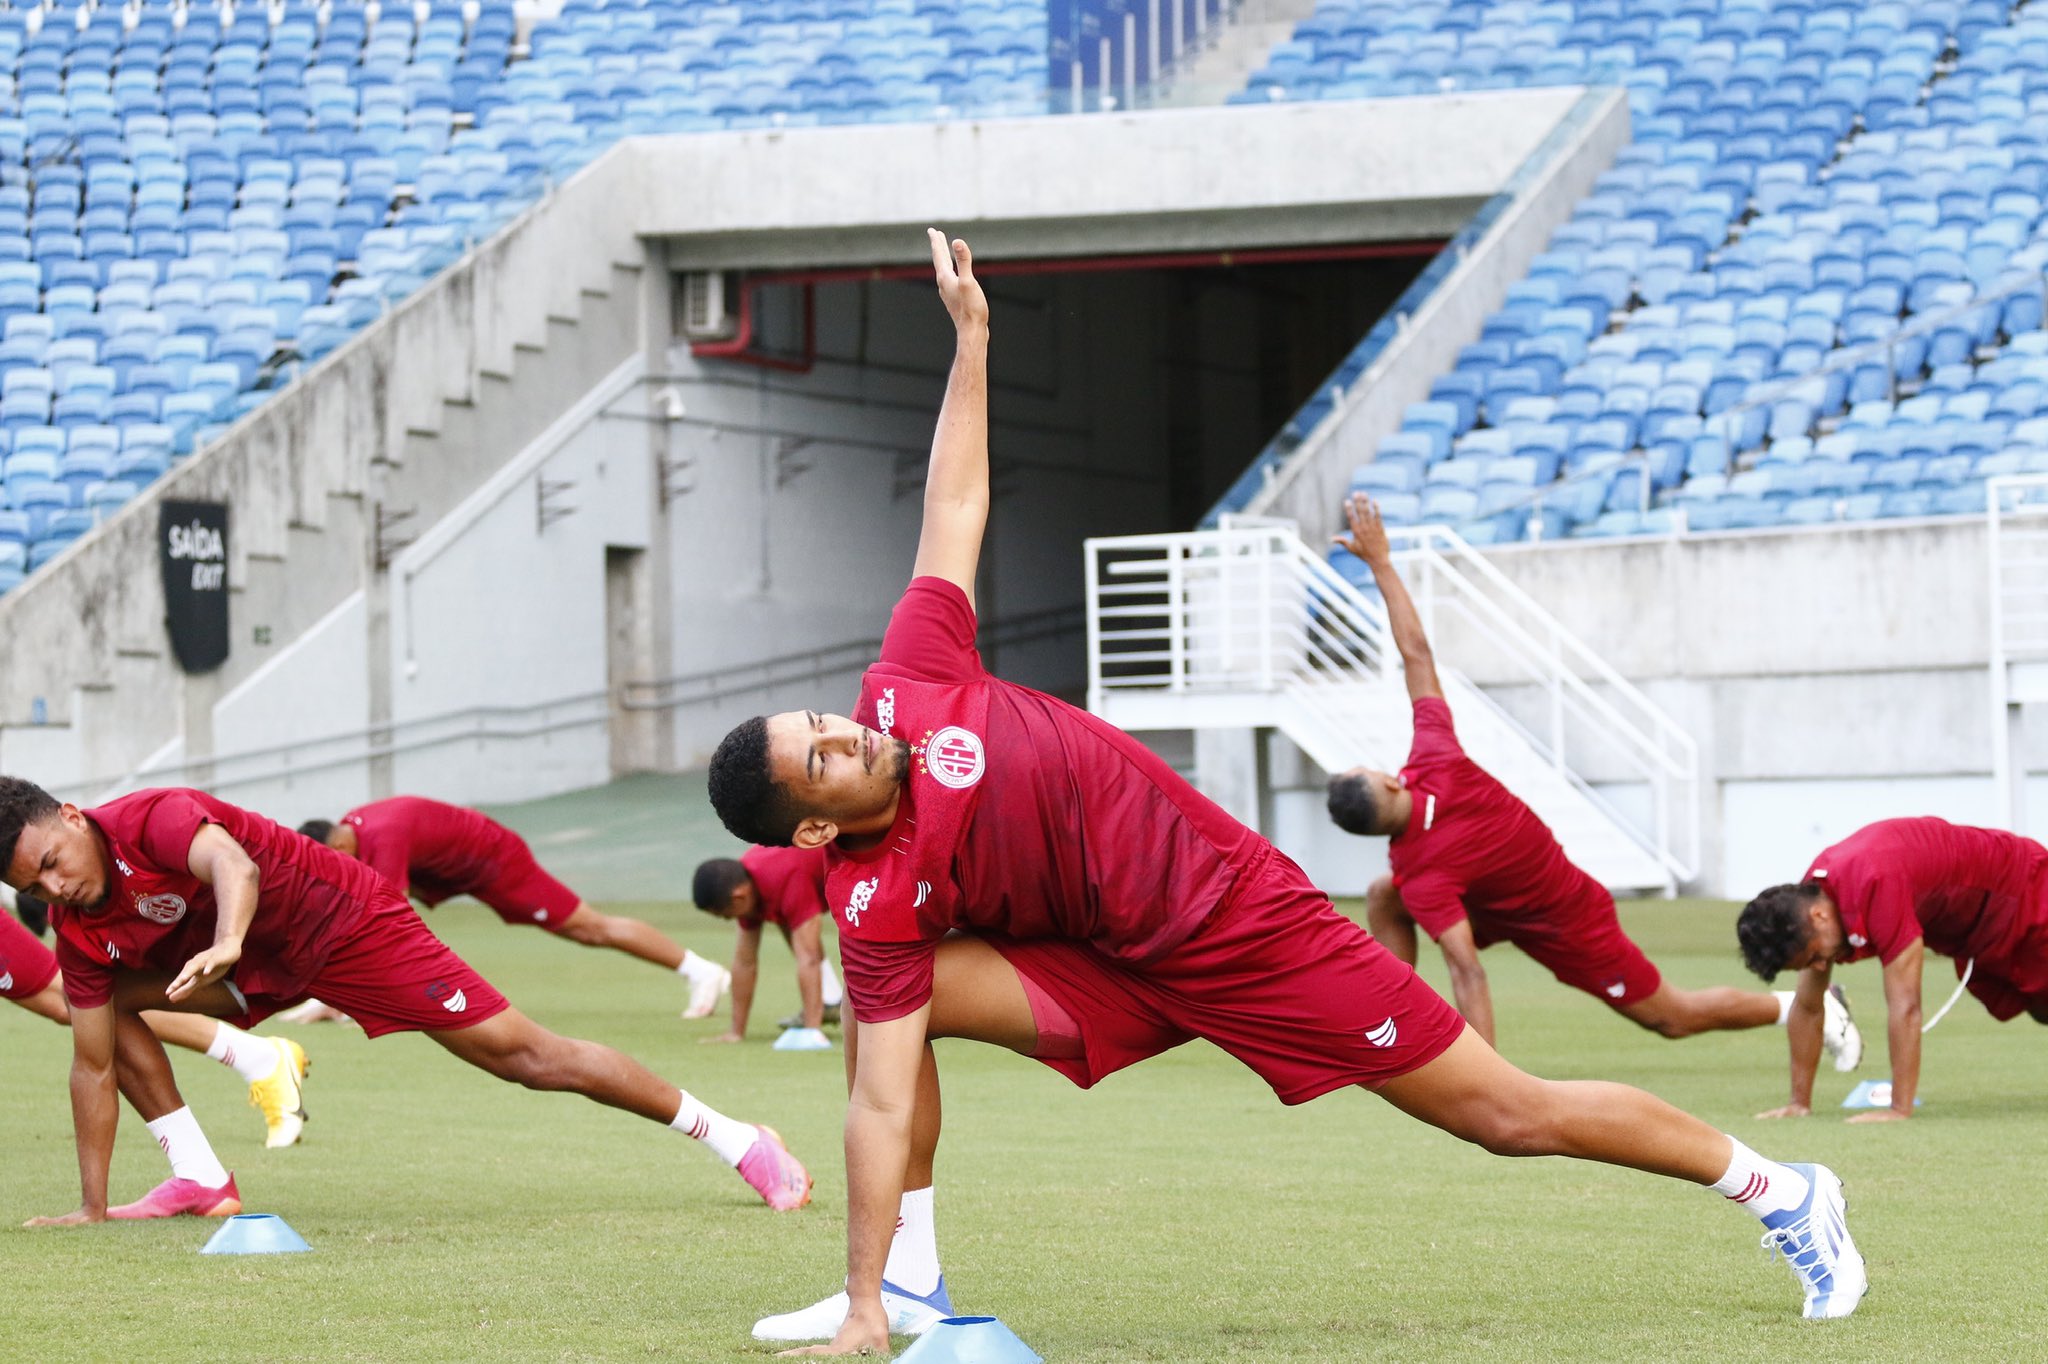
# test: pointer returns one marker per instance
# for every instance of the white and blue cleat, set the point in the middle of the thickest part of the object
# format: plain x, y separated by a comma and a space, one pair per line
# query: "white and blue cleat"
910, 1314
1814, 1239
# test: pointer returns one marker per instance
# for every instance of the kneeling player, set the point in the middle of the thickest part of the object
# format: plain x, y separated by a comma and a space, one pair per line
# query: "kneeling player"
171, 899
435, 851
1896, 890
1474, 866
1011, 869
784, 887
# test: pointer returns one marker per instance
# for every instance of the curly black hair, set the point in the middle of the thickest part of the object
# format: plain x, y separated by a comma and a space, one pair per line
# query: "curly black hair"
715, 882
22, 803
1354, 807
1774, 928
317, 829
749, 801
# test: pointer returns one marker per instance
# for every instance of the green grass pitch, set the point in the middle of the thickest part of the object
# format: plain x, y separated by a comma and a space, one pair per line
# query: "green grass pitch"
1175, 1213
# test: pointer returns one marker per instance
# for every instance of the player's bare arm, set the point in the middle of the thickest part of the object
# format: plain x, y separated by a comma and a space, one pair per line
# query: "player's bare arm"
95, 1112
1367, 538
219, 861
1902, 1032
956, 491
807, 945
878, 1119
1803, 1039
746, 972
1469, 990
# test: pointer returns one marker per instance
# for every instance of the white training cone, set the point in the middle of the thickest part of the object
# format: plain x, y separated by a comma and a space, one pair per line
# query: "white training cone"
803, 1039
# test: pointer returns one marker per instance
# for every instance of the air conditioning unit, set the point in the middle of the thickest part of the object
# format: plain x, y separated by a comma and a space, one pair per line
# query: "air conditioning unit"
706, 317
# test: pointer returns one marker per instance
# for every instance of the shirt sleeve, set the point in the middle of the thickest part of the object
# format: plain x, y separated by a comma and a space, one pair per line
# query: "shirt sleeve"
165, 832
1435, 901
931, 633
87, 983
1436, 739
389, 858
1894, 926
886, 980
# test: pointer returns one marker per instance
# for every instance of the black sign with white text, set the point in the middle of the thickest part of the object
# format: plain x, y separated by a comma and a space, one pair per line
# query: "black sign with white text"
194, 541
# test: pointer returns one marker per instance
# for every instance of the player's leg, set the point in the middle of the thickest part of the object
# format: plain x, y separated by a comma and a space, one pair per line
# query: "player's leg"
638, 938
1672, 1012
48, 1002
1387, 920
199, 1183
513, 1047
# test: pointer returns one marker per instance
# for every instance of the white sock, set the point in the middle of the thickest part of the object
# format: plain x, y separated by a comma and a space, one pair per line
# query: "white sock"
191, 1156
726, 1136
252, 1058
1762, 1186
829, 980
1784, 998
914, 1255
695, 968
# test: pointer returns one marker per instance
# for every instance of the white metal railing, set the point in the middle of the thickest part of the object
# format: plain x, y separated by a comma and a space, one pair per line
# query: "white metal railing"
1251, 608
2017, 540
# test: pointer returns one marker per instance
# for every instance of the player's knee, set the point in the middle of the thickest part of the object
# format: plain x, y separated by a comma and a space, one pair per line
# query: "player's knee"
1666, 1024
1504, 1131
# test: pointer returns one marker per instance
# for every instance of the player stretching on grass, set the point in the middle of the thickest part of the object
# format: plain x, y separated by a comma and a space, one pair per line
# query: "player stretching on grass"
273, 1067
436, 851
1107, 912
1474, 865
171, 899
1896, 890
784, 887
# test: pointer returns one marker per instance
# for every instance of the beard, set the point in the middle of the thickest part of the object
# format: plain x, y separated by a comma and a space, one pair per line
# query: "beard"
899, 749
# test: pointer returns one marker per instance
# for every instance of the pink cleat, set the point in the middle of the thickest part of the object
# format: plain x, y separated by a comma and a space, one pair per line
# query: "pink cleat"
176, 1197
779, 1177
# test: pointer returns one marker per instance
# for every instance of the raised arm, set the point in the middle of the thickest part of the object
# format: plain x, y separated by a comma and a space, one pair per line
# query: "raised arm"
1367, 538
220, 862
1902, 1032
956, 493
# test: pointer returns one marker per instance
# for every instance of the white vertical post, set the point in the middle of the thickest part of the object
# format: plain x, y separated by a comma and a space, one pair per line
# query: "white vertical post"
1090, 563
1130, 60
1269, 549
1176, 625
1154, 63
1103, 96
2003, 778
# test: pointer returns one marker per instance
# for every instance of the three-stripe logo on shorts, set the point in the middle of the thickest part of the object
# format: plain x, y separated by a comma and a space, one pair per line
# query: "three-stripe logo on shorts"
1385, 1035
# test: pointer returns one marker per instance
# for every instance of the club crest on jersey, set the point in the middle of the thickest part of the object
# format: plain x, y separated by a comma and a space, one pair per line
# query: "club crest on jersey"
953, 756
857, 903
885, 710
161, 909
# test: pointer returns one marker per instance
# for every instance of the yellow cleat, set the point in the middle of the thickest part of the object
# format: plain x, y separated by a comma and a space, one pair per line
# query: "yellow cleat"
282, 1097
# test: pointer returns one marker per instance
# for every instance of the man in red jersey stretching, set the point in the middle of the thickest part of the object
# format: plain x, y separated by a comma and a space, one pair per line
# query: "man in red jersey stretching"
171, 899
1011, 869
435, 851
784, 887
1896, 890
1473, 865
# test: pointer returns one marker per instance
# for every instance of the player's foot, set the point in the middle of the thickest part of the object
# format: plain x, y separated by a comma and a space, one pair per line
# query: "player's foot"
909, 1315
779, 1177
282, 1097
829, 1019
1814, 1239
313, 1011
1838, 1031
180, 1197
706, 989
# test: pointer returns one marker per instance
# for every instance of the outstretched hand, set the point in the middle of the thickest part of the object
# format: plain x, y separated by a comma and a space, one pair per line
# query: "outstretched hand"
1367, 538
204, 969
1788, 1111
954, 266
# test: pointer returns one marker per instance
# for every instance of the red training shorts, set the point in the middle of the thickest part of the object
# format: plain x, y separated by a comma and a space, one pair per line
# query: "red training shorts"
1277, 978
393, 975
1583, 947
522, 892
26, 966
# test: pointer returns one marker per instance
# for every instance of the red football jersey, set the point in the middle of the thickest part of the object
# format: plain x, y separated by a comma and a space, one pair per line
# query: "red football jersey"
1970, 893
158, 915
789, 885
436, 850
1023, 816
1471, 845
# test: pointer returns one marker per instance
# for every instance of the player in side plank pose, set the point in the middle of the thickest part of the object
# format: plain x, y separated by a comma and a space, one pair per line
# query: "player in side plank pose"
274, 1068
1010, 869
1473, 865
436, 851
1896, 890
784, 887
173, 900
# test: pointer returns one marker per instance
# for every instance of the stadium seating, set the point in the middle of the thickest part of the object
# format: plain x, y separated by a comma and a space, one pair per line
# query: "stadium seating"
195, 202
1811, 289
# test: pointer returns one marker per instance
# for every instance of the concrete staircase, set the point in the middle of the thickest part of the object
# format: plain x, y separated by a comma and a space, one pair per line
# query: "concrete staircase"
1235, 51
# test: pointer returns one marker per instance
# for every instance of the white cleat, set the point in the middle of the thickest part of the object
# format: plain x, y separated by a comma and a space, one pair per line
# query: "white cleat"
312, 1011
909, 1315
1814, 1239
706, 990
1838, 1031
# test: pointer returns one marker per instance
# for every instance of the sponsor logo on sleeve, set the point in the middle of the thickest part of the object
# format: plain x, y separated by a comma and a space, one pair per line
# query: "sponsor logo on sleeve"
126, 870
954, 757
857, 903
161, 909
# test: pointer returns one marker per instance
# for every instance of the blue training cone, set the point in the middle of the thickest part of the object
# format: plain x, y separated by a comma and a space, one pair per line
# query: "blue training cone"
969, 1340
803, 1039
1873, 1094
255, 1233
